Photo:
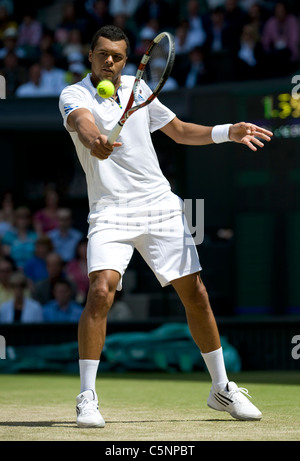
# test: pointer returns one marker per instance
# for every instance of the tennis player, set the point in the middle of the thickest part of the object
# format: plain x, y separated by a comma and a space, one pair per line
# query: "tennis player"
132, 206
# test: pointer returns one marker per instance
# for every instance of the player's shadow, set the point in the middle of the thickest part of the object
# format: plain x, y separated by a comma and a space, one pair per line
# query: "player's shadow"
72, 425
37, 424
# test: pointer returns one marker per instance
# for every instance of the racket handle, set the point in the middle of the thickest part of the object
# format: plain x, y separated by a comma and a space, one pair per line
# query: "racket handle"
114, 133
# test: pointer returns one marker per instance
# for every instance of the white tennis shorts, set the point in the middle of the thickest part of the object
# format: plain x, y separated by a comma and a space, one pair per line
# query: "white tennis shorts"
158, 231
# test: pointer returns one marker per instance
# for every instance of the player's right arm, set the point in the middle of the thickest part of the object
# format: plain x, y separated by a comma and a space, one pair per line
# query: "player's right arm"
82, 121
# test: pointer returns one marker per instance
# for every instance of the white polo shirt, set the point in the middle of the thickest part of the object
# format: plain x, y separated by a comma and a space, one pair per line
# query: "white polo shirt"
131, 174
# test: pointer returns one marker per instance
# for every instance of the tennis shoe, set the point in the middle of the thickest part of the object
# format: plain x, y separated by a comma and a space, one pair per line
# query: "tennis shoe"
88, 414
233, 399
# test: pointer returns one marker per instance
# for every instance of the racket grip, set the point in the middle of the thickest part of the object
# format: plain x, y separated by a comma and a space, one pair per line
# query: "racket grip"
114, 133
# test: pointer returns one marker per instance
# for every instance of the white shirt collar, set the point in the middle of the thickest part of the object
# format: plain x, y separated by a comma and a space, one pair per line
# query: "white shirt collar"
88, 83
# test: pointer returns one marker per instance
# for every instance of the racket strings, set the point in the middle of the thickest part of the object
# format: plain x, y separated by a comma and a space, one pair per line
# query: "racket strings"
157, 63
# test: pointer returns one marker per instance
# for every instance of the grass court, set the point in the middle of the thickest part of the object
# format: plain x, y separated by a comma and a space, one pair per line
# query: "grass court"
147, 407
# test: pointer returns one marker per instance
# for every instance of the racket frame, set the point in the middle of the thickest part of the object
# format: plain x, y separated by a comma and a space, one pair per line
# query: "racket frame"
130, 109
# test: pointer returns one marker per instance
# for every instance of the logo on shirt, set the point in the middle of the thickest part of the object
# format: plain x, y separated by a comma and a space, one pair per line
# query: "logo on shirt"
68, 108
140, 98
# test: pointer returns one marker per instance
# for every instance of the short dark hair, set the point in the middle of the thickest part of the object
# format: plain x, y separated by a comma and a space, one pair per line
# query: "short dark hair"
113, 33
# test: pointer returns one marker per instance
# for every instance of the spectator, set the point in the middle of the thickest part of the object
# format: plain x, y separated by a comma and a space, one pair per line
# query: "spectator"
124, 7
235, 19
257, 17
5, 21
217, 31
19, 243
34, 88
74, 43
30, 34
246, 4
76, 270
212, 4
36, 268
14, 73
280, 40
197, 72
180, 38
7, 213
65, 238
7, 267
43, 290
48, 42
250, 55
76, 72
20, 308
45, 219
9, 4
53, 77
70, 19
121, 20
10, 45
155, 10
75, 58
97, 16
62, 308
146, 35
197, 33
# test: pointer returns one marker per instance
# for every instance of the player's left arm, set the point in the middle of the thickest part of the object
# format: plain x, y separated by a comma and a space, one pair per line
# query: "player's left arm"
199, 135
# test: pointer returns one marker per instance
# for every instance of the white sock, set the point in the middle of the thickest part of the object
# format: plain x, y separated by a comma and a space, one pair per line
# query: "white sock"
216, 367
88, 372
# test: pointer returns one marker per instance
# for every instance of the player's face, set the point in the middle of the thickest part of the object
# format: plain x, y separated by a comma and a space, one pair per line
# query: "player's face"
108, 60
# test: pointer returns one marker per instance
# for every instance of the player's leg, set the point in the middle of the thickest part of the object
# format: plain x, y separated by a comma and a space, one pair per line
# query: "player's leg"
224, 395
202, 325
92, 324
170, 252
200, 317
91, 338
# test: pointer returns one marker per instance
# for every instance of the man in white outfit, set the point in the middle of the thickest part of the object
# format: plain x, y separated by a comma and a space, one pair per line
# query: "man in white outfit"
132, 206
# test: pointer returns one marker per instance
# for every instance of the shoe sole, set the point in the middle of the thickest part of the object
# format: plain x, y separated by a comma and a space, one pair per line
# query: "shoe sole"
240, 418
85, 425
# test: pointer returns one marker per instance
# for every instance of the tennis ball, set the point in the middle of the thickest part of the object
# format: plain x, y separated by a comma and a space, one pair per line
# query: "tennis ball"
105, 89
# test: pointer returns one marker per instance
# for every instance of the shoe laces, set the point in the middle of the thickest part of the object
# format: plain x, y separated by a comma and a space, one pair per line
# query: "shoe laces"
88, 406
239, 391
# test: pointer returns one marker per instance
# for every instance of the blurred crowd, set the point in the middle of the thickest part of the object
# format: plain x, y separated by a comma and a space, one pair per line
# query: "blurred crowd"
43, 267
43, 274
44, 47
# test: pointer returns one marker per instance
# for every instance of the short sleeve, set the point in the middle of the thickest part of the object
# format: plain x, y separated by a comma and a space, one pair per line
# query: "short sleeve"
72, 97
160, 115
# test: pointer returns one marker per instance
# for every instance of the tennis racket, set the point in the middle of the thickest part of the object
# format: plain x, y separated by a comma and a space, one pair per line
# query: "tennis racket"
155, 68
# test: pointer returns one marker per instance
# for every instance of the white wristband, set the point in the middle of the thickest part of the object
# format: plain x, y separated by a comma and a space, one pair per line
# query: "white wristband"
220, 133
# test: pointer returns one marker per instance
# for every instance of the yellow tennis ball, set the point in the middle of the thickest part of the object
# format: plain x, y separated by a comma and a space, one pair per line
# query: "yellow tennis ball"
105, 89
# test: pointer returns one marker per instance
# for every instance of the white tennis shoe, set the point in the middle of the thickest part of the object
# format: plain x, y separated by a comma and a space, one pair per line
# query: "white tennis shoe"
88, 414
234, 400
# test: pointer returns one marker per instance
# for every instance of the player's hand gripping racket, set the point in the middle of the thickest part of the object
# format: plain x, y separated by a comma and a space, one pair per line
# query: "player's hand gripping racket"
155, 68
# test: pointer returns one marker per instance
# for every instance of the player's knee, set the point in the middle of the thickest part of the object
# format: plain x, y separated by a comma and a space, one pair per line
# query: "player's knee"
199, 299
100, 298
